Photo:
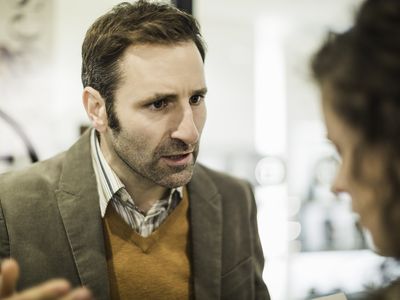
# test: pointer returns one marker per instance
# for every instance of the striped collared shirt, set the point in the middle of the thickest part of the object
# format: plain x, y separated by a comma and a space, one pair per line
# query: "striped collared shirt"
112, 191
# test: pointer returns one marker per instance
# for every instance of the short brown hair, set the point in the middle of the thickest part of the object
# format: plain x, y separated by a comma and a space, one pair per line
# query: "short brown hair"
127, 24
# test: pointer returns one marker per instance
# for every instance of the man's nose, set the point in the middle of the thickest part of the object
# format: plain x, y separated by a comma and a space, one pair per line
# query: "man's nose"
339, 182
186, 129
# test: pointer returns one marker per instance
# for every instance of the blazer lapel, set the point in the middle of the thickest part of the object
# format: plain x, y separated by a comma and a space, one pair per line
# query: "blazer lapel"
206, 235
78, 203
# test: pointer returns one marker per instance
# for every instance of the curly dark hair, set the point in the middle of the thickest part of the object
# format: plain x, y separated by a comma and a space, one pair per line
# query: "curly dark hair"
141, 22
362, 68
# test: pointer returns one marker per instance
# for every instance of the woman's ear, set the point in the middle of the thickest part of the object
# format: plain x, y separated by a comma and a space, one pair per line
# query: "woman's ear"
95, 107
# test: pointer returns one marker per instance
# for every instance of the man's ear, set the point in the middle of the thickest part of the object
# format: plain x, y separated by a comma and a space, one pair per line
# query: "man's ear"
95, 107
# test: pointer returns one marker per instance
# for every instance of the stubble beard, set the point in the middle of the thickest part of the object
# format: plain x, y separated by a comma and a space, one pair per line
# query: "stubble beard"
148, 165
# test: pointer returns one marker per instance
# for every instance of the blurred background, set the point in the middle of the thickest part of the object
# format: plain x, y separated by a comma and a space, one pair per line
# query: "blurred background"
264, 122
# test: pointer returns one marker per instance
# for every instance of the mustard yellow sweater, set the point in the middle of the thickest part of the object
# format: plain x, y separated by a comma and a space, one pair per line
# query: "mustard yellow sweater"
155, 267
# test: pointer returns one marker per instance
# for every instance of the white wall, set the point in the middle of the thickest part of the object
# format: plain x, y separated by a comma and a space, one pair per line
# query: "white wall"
72, 19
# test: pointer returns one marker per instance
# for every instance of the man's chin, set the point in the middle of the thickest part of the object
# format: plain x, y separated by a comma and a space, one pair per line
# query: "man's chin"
177, 179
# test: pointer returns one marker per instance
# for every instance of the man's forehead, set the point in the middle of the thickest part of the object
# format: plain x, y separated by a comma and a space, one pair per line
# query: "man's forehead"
153, 50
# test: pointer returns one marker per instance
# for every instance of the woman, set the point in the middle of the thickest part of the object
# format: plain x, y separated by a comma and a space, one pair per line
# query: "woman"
359, 75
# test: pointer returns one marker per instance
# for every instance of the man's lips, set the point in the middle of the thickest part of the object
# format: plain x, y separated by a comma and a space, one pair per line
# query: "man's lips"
178, 159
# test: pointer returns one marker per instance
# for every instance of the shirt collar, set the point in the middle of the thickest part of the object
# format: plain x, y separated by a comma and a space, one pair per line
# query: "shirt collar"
108, 183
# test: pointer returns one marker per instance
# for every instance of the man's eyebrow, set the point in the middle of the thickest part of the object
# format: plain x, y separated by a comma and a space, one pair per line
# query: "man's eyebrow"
202, 91
159, 96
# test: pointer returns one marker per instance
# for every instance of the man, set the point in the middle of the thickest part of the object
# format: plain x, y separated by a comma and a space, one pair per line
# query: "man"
126, 211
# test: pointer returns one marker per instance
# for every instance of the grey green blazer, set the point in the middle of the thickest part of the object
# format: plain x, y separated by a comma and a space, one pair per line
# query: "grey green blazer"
50, 222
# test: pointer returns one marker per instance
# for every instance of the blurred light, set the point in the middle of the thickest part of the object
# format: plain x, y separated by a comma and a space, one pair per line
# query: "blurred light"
270, 141
270, 170
326, 271
272, 217
273, 230
294, 206
294, 229
270, 96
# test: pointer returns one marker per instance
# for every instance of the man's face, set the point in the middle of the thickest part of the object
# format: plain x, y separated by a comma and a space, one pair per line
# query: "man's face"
161, 111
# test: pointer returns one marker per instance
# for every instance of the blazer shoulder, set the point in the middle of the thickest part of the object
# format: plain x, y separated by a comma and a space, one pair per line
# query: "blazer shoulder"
229, 186
225, 179
32, 178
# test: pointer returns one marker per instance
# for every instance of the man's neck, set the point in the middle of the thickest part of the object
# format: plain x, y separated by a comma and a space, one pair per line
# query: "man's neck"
144, 192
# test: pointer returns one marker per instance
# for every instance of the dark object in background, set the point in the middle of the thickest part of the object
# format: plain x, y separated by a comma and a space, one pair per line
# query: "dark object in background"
184, 5
31, 151
8, 159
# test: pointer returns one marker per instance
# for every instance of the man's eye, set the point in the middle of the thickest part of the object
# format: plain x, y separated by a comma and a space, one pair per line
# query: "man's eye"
158, 105
196, 99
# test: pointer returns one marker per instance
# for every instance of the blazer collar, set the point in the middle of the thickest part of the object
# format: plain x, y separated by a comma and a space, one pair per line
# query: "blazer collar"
206, 234
78, 203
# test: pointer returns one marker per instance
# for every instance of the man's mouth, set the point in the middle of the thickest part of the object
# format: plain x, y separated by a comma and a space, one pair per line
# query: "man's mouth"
178, 159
